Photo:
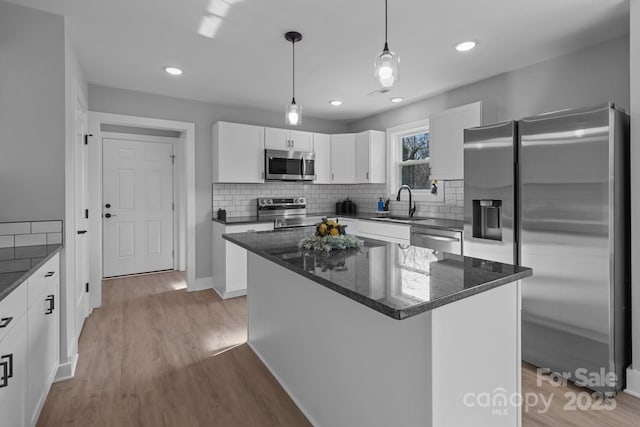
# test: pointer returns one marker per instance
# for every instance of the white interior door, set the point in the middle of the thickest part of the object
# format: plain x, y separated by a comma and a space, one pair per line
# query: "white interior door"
81, 158
137, 207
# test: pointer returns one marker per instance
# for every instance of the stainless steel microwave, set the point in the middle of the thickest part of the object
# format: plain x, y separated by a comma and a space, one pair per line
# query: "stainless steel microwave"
283, 165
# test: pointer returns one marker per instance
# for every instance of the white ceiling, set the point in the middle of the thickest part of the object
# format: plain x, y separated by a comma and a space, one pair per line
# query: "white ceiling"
125, 44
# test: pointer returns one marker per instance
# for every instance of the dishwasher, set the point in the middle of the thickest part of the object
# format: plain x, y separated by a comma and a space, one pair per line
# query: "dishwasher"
437, 239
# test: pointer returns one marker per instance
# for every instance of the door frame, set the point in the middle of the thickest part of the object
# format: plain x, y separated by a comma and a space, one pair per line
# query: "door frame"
185, 198
179, 226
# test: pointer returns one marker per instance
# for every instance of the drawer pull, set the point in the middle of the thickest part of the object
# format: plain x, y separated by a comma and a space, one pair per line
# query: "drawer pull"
49, 274
7, 369
4, 322
51, 299
441, 238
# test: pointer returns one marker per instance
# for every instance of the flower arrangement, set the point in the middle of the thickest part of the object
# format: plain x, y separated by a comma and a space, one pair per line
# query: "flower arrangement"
330, 235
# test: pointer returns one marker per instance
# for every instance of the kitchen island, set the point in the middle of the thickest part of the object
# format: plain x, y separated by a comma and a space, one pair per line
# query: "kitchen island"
386, 334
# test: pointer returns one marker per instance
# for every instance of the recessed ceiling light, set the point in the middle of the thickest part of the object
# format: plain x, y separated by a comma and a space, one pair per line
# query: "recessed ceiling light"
396, 99
466, 46
174, 71
335, 102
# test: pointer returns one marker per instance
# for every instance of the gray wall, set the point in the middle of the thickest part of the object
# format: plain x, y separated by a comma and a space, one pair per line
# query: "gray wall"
32, 114
587, 77
118, 101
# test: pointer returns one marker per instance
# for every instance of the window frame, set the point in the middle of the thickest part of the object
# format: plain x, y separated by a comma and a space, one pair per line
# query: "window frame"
394, 156
400, 163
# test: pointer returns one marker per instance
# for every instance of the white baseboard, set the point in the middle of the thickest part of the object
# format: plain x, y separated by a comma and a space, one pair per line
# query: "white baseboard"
232, 294
200, 284
67, 371
633, 382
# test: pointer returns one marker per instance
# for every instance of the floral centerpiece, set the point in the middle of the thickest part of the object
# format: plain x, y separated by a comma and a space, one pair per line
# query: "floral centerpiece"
330, 235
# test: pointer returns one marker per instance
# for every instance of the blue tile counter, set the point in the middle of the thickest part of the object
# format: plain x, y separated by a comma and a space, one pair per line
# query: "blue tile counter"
18, 263
398, 281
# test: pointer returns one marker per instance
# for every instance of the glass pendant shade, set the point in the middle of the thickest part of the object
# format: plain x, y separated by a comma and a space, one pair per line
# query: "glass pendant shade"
386, 68
293, 114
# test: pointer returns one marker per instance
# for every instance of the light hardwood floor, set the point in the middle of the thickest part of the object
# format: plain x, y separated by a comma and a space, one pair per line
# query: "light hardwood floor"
155, 355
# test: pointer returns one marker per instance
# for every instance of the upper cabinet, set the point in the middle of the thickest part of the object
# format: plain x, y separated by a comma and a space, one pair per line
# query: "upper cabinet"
446, 132
343, 156
285, 139
238, 153
322, 148
348, 158
370, 157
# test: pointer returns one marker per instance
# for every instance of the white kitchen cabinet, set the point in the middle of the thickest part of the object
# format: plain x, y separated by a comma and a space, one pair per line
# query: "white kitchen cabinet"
343, 153
42, 336
351, 224
371, 157
392, 232
229, 260
29, 345
286, 139
446, 137
238, 153
322, 149
13, 376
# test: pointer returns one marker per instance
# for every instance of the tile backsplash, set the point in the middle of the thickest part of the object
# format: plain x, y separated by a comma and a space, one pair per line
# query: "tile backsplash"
239, 200
30, 233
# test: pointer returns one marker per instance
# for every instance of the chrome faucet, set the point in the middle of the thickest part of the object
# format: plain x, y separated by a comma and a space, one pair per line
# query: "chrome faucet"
412, 209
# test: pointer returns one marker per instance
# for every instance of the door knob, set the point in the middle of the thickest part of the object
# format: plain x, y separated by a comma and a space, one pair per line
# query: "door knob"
108, 215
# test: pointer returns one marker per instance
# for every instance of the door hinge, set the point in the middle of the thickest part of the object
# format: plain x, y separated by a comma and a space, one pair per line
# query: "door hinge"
173, 252
86, 287
86, 214
173, 158
86, 138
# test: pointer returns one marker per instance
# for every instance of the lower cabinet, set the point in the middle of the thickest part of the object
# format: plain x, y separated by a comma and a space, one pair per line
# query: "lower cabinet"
12, 373
229, 260
396, 233
42, 337
29, 345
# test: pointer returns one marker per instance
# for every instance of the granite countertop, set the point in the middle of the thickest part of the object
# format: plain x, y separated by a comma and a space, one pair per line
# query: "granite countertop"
396, 280
241, 220
444, 224
17, 264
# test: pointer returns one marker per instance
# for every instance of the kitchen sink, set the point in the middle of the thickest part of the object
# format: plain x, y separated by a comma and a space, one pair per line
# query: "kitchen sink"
391, 218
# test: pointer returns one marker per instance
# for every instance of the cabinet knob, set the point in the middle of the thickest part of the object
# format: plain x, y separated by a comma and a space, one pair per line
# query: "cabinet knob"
50, 273
108, 205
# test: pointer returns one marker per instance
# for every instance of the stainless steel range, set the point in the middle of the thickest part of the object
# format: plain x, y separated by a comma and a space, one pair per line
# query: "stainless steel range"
286, 212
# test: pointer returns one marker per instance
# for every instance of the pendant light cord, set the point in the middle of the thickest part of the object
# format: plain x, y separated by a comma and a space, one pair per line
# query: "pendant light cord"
293, 62
385, 21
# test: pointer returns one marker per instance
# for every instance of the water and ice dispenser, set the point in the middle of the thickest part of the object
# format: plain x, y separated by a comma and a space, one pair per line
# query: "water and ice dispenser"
487, 219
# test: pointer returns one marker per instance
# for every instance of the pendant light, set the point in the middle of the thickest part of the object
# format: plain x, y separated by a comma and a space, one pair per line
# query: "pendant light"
386, 66
293, 114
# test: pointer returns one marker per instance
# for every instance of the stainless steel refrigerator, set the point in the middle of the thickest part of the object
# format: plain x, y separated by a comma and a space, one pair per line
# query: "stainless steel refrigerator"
551, 192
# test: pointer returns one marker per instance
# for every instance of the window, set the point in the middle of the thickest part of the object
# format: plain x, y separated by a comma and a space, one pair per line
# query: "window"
414, 162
